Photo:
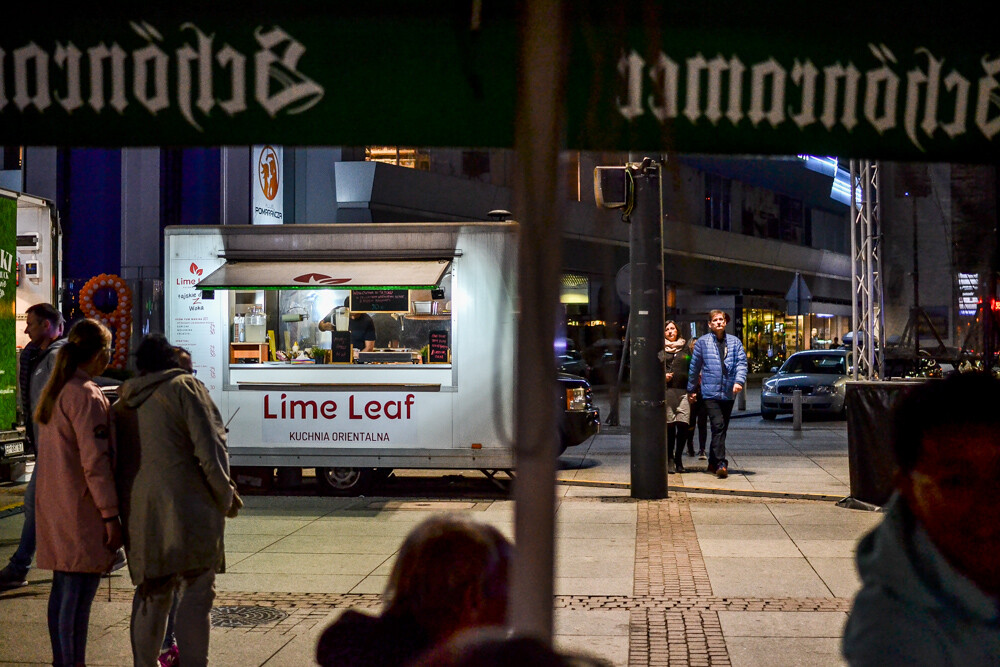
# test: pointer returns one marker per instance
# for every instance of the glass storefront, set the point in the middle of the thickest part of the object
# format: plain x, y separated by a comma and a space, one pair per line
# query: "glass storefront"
770, 335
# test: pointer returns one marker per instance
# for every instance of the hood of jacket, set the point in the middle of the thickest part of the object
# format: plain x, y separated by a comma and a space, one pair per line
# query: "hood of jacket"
900, 556
135, 391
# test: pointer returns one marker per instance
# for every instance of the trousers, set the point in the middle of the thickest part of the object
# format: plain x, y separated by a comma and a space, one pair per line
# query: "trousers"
718, 411
69, 615
151, 606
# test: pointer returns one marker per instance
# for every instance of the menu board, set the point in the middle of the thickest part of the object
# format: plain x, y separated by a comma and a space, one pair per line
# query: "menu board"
380, 300
437, 347
197, 322
340, 347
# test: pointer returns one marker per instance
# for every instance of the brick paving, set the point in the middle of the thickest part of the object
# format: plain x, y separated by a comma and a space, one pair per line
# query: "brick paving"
673, 613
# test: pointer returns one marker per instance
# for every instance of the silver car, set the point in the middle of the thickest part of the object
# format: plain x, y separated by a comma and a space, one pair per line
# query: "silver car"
821, 375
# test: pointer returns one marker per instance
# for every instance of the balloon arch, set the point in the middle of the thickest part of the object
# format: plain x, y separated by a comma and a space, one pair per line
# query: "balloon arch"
108, 299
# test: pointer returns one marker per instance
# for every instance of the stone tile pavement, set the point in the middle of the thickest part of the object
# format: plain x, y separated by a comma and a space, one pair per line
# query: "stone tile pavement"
752, 570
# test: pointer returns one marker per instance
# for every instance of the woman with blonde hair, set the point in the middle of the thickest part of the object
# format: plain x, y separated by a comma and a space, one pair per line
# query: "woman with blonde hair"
76, 505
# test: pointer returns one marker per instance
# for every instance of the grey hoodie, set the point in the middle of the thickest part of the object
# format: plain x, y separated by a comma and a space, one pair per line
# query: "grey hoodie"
914, 608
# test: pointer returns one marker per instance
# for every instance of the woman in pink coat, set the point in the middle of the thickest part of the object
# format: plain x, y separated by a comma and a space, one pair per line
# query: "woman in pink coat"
76, 505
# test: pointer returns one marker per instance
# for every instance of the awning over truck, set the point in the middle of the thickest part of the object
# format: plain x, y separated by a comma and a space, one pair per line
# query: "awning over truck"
400, 274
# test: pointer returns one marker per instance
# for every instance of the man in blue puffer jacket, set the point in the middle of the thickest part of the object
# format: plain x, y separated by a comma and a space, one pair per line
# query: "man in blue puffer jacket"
719, 364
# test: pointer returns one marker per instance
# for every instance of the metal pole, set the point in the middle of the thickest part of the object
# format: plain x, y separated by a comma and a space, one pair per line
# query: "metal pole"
797, 410
648, 407
916, 282
855, 272
537, 140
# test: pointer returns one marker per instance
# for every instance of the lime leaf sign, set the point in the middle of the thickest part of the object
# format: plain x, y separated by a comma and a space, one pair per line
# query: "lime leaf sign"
8, 292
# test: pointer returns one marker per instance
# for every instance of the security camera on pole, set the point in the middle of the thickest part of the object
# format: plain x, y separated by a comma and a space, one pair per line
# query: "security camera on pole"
636, 189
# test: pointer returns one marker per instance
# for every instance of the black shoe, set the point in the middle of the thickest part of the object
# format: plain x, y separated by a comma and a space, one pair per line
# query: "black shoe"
701, 455
671, 469
679, 467
711, 469
11, 578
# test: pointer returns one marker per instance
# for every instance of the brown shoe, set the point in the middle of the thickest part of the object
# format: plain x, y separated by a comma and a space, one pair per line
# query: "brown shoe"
711, 469
721, 472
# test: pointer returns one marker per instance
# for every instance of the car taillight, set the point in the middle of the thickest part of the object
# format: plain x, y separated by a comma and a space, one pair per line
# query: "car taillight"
576, 399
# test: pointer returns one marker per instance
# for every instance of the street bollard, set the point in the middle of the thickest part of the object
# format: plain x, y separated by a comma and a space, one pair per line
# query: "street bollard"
797, 410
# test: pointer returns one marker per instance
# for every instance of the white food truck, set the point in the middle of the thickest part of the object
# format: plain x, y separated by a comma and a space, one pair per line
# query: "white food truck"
278, 322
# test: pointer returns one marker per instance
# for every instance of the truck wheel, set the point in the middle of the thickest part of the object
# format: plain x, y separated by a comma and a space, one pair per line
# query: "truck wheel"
345, 481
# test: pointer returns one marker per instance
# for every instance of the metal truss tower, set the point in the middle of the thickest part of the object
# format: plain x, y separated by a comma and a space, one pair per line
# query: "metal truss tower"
867, 313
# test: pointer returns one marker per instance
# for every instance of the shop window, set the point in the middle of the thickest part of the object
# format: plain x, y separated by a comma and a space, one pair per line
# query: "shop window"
412, 158
718, 204
12, 156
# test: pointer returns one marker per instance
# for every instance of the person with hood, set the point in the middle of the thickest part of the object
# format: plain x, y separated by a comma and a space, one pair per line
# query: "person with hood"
719, 367
450, 575
930, 571
174, 484
44, 326
76, 507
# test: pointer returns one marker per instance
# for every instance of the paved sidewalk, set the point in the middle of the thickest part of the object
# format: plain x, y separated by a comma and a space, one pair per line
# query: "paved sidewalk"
701, 578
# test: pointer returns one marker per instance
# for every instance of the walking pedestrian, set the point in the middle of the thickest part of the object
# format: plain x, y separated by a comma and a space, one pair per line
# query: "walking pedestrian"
720, 362
930, 571
76, 506
44, 327
699, 418
676, 362
173, 479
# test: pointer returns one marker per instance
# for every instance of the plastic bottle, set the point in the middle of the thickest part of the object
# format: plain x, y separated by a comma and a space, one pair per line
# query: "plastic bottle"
237, 328
243, 328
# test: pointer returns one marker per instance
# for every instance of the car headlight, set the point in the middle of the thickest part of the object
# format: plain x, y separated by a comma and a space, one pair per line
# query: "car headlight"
825, 389
576, 399
770, 384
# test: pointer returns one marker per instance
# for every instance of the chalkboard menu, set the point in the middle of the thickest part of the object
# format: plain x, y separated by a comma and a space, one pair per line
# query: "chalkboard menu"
340, 347
437, 347
380, 300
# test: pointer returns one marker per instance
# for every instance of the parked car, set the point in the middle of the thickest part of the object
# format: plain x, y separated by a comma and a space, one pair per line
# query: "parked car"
821, 375
580, 417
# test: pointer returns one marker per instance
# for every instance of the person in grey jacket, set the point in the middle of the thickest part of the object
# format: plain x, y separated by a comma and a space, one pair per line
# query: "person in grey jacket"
175, 492
44, 327
719, 365
930, 571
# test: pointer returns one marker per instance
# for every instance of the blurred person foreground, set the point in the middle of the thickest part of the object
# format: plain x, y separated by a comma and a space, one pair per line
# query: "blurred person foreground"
931, 569
451, 575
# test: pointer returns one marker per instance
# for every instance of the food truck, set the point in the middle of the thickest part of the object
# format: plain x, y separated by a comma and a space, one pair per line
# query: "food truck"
30, 264
271, 316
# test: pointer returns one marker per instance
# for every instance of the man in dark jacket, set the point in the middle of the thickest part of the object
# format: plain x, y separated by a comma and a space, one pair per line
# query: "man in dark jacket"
930, 571
719, 365
45, 330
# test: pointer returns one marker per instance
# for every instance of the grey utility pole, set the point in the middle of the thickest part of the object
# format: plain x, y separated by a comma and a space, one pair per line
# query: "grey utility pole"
648, 408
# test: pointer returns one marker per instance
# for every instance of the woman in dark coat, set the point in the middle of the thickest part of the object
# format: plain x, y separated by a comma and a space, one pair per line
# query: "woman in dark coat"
676, 362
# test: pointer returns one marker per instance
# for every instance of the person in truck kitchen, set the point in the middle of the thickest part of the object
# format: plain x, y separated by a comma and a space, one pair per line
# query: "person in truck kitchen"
361, 326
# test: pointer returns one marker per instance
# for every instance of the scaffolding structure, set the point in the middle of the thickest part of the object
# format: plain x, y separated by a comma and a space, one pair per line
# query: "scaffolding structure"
867, 312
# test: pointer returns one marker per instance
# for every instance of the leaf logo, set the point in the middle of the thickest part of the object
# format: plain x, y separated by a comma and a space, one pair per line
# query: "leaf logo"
320, 279
195, 270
